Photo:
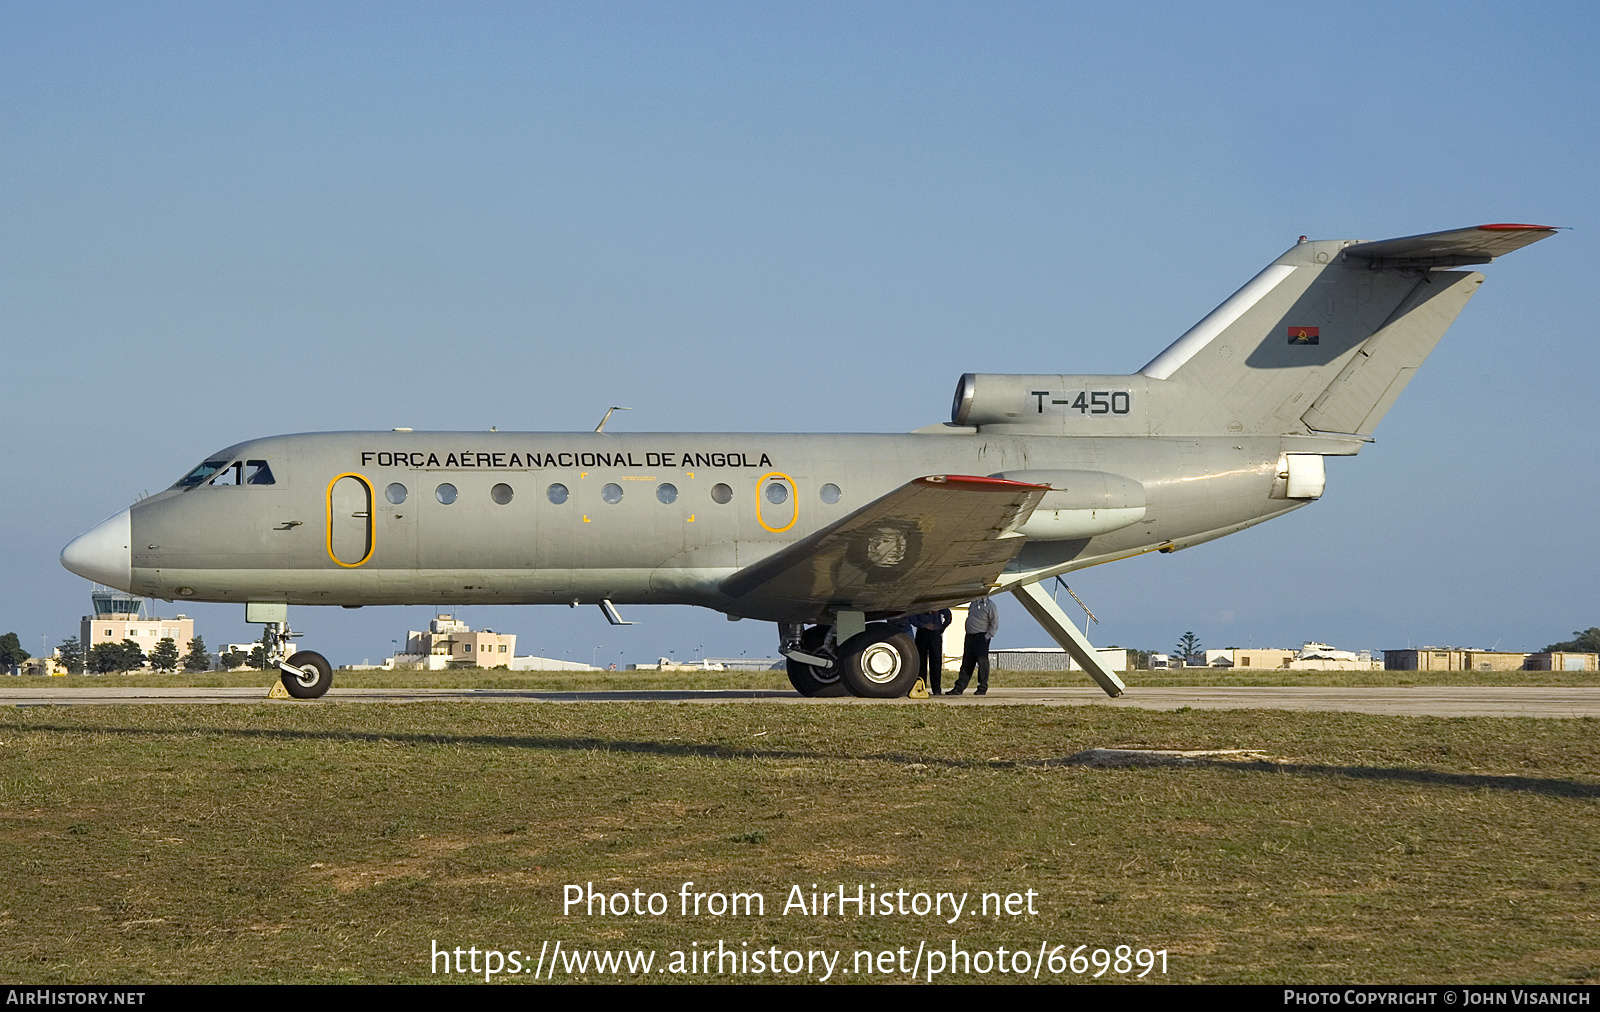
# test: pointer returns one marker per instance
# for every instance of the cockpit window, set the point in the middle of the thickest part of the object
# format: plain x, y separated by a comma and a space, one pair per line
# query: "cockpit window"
223, 472
201, 474
256, 472
233, 474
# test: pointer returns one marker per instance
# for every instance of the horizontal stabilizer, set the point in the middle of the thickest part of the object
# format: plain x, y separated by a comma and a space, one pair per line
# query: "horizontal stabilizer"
1477, 245
932, 542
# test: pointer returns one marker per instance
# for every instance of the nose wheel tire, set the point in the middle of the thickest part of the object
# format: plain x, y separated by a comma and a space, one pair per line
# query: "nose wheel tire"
879, 664
311, 677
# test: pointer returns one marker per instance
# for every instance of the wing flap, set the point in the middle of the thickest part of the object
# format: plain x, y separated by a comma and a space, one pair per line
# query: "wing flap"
935, 540
1477, 245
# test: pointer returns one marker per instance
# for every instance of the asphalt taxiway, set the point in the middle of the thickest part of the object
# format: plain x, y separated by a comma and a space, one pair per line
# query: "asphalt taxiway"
1434, 700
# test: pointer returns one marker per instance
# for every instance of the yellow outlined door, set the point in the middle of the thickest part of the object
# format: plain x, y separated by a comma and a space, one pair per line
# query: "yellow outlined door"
350, 520
777, 505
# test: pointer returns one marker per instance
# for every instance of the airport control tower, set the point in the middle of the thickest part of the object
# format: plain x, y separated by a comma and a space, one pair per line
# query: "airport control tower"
120, 616
116, 604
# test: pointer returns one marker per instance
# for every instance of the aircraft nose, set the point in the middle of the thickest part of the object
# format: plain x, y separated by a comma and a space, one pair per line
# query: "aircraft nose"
104, 553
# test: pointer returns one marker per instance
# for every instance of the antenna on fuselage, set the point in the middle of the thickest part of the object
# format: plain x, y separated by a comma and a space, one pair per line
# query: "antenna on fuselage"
602, 426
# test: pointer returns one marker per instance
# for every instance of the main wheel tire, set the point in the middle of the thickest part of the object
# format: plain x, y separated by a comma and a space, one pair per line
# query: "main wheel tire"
810, 680
879, 663
315, 675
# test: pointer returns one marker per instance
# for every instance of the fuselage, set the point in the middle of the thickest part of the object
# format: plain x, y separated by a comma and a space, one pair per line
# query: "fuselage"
359, 518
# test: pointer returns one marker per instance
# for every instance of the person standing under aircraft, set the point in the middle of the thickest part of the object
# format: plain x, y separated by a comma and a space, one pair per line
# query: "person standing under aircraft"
930, 626
983, 621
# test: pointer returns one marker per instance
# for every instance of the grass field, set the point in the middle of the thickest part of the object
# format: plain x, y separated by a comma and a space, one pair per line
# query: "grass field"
304, 844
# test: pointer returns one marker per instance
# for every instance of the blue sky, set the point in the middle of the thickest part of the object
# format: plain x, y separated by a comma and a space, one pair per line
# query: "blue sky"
226, 221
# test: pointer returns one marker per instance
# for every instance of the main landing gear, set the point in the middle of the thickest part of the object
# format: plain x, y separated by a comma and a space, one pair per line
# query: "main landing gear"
876, 663
812, 667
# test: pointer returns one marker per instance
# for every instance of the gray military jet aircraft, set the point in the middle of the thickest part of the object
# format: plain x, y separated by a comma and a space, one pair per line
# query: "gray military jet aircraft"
830, 536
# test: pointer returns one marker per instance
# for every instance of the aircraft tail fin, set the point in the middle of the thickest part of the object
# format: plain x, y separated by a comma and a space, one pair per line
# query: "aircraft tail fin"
1326, 337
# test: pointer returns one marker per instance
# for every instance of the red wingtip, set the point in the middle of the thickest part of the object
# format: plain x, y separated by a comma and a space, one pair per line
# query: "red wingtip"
1509, 227
975, 481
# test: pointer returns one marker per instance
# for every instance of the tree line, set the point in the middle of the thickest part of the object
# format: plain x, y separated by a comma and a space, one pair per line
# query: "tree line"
1585, 641
103, 658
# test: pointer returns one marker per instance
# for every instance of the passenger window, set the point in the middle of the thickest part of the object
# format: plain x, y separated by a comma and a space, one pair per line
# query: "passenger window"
501, 493
445, 493
256, 472
777, 492
233, 474
395, 493
612, 493
667, 493
557, 493
721, 493
830, 493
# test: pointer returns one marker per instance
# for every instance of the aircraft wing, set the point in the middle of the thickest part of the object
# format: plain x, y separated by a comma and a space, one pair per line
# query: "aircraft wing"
933, 542
1477, 245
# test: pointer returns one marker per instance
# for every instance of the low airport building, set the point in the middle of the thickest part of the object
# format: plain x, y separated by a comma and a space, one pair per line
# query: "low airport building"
749, 663
1453, 659
531, 663
1494, 660
1464, 659
1255, 658
1428, 659
1563, 661
457, 645
451, 643
42, 666
439, 662
667, 664
1047, 659
1312, 656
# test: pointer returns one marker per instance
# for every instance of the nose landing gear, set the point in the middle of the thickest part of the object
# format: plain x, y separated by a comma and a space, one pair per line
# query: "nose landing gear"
306, 674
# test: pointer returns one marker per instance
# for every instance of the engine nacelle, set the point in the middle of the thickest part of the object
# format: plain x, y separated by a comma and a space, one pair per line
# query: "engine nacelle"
1080, 504
1087, 405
